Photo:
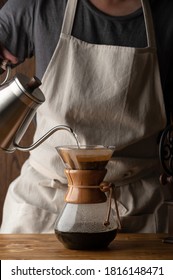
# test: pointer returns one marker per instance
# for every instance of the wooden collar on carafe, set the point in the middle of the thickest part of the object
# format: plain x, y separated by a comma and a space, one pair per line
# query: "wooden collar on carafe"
84, 186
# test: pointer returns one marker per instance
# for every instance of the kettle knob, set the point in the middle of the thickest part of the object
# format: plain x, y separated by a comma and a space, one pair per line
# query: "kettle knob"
32, 84
28, 89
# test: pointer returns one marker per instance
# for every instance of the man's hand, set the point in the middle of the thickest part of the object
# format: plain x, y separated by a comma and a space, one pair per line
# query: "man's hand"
6, 57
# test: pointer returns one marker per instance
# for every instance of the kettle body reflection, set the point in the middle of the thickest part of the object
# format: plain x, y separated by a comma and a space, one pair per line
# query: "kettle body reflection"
20, 98
87, 221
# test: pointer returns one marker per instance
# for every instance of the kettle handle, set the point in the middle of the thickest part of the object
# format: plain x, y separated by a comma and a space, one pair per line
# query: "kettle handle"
5, 66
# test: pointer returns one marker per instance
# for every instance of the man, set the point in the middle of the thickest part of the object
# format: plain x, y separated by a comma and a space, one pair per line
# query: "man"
98, 61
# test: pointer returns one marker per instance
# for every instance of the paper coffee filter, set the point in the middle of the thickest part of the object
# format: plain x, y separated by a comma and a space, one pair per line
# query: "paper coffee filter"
85, 157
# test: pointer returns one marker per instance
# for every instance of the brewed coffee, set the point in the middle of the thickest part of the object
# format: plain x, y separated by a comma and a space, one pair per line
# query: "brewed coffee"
86, 240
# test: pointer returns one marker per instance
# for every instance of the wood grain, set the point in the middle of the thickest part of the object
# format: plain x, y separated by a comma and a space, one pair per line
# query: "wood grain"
47, 247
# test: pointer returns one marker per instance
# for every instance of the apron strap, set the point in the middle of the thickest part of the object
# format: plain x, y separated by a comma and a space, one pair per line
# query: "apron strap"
149, 23
70, 14
69, 17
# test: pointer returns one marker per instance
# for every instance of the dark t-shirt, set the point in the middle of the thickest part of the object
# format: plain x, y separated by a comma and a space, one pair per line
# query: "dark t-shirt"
32, 27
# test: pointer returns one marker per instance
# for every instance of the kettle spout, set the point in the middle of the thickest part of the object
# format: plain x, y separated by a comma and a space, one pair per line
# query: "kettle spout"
46, 136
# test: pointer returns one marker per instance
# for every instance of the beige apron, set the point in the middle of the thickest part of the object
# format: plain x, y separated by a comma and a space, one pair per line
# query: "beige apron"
109, 95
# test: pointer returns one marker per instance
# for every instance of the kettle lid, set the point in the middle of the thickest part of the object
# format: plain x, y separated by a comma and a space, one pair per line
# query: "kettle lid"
30, 87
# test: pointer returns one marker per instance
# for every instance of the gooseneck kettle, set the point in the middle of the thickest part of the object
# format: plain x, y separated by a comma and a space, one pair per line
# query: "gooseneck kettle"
20, 97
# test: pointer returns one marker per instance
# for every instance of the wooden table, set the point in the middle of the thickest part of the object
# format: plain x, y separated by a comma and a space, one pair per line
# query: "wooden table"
47, 247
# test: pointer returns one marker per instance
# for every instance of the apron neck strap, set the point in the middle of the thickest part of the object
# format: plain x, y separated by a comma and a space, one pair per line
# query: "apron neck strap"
148, 23
70, 14
69, 17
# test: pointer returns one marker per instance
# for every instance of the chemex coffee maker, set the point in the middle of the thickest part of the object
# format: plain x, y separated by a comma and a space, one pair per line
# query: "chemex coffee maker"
87, 220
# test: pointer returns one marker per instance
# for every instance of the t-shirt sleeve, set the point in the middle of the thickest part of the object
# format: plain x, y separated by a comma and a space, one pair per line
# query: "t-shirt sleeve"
16, 27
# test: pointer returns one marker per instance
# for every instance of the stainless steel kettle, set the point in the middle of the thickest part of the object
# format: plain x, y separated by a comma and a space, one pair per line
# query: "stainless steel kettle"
19, 99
